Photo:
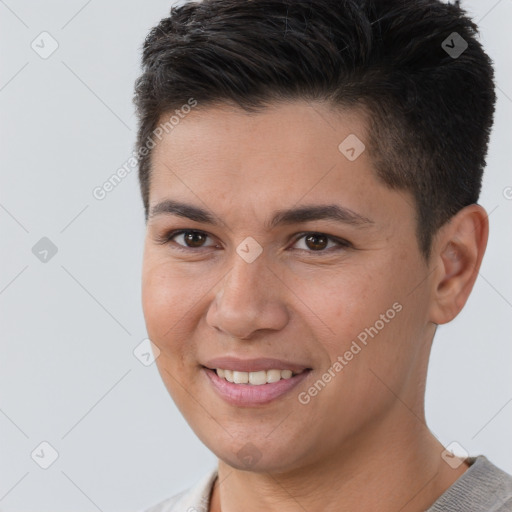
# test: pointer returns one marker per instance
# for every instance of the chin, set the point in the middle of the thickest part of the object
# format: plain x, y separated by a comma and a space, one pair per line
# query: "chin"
256, 455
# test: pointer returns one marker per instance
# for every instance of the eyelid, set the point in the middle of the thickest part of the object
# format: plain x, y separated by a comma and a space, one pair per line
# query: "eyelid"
341, 242
166, 238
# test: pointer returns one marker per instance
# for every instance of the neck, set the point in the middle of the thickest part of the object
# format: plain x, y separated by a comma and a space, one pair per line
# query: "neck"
396, 465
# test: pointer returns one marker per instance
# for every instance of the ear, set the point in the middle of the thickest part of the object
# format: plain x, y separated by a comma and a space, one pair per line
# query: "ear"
457, 253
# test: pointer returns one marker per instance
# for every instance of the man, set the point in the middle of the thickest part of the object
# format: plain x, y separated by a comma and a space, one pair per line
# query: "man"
310, 172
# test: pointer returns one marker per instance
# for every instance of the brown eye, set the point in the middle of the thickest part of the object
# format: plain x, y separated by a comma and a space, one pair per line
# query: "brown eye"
194, 238
316, 241
186, 239
319, 242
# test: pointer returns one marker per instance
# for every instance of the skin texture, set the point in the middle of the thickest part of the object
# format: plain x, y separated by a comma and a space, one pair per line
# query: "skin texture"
362, 442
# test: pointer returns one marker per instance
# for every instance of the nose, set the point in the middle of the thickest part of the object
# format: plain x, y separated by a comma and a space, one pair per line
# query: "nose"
249, 299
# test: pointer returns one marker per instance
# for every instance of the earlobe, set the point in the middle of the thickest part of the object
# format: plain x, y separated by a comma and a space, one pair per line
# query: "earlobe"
459, 249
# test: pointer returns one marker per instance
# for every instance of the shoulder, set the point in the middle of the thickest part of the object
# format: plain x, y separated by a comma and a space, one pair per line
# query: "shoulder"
482, 488
167, 505
195, 499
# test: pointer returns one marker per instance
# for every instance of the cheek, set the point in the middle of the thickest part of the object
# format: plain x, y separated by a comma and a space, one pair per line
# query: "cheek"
167, 312
372, 318
348, 302
172, 302
158, 299
165, 299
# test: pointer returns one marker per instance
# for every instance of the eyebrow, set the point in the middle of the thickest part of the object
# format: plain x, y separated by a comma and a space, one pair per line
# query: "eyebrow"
281, 217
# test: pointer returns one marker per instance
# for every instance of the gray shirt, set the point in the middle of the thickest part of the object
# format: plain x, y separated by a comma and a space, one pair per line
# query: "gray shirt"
482, 488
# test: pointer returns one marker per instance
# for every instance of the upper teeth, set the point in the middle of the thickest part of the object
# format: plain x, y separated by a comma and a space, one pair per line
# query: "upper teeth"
255, 378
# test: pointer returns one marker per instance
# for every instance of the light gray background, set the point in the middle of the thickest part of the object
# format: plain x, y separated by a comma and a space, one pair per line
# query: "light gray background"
68, 375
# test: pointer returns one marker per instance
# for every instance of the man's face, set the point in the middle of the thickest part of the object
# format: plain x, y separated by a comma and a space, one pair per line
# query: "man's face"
353, 290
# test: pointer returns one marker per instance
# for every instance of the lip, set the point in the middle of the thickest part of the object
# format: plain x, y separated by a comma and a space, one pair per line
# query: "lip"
253, 365
248, 395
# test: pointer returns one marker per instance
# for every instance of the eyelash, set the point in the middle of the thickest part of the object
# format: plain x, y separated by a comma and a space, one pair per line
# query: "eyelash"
167, 239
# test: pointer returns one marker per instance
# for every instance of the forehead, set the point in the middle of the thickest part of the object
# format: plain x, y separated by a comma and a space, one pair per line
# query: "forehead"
291, 142
291, 153
300, 127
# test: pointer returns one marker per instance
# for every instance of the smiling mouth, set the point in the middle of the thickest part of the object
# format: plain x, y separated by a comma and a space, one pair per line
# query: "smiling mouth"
256, 378
256, 388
